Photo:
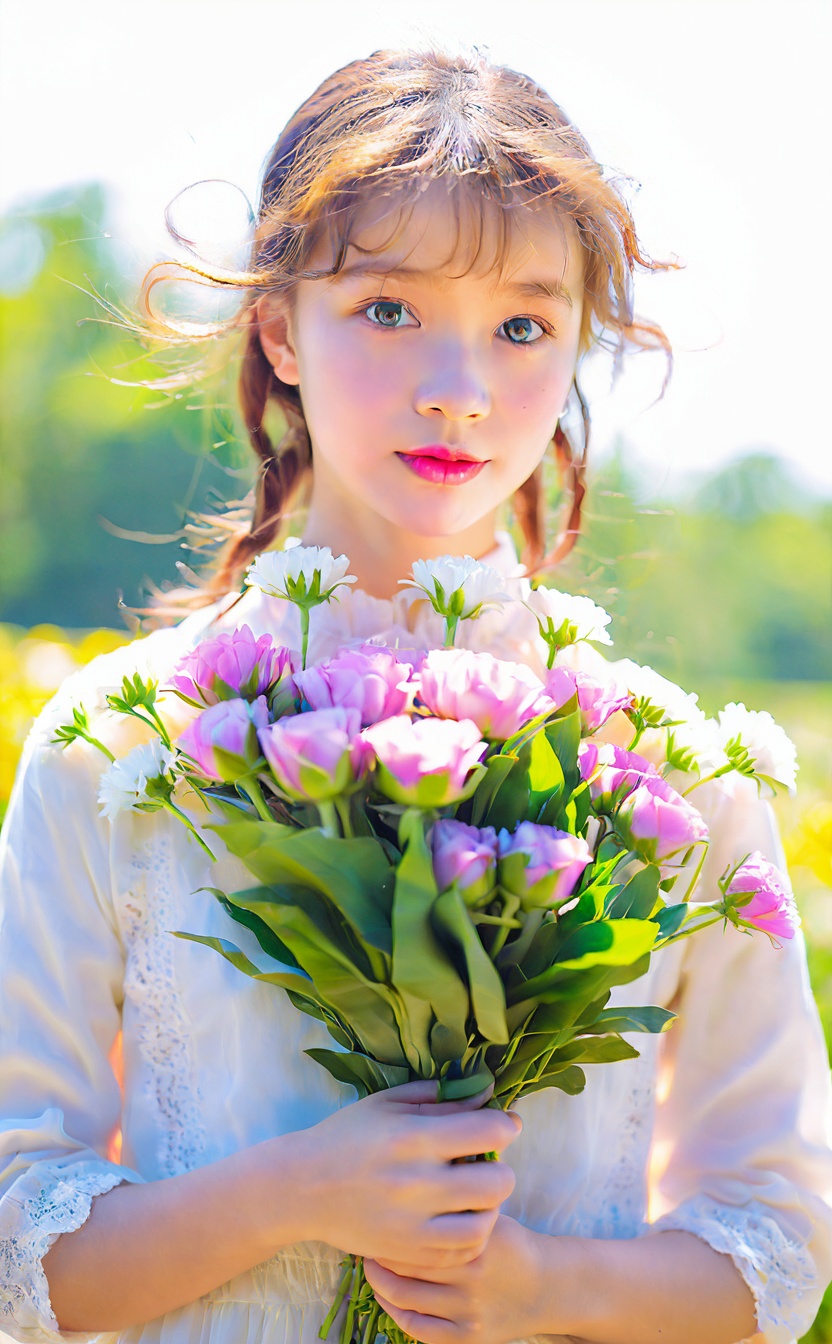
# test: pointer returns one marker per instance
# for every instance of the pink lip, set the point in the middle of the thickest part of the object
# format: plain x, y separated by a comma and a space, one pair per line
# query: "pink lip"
439, 466
444, 454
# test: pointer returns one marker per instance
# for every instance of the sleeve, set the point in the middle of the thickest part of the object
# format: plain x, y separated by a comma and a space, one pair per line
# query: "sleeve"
60, 1002
742, 1144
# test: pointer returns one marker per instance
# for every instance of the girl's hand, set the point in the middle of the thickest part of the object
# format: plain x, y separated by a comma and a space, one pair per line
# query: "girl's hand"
379, 1178
499, 1296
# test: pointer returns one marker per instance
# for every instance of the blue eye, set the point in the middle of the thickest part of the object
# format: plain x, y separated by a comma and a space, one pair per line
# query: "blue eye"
390, 310
523, 323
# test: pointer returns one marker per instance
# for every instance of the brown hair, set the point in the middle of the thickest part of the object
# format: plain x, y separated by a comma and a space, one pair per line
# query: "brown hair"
390, 123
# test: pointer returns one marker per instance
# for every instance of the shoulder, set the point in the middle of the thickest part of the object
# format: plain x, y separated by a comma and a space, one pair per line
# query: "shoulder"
152, 656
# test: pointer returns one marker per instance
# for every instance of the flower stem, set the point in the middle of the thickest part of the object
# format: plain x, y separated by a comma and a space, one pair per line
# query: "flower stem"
88, 737
348, 1266
329, 817
512, 905
304, 634
706, 779
250, 788
451, 623
342, 807
172, 808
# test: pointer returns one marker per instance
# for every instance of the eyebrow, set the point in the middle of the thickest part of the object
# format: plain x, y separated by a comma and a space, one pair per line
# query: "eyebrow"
525, 289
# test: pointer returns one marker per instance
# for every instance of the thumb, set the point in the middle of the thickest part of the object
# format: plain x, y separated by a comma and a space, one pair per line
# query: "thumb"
423, 1093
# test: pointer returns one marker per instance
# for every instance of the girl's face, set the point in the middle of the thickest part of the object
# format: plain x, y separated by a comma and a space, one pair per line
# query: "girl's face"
403, 352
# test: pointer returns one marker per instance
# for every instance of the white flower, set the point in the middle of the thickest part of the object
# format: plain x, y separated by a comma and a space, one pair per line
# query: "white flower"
564, 619
124, 785
660, 701
757, 746
303, 574
458, 586
695, 745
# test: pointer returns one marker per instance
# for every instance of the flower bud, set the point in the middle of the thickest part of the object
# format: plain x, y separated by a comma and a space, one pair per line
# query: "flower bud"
222, 740
426, 762
772, 907
551, 867
318, 755
465, 855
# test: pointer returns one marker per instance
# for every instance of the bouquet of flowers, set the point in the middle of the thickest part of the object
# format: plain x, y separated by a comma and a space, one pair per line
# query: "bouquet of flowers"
453, 863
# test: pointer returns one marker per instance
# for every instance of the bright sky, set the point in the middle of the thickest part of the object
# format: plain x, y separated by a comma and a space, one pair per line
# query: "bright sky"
719, 108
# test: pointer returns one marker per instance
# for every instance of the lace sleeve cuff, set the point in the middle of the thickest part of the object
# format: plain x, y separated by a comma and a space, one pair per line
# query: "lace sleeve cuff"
779, 1271
50, 1198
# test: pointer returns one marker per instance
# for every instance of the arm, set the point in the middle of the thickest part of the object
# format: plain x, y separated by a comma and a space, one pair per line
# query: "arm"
374, 1178
670, 1288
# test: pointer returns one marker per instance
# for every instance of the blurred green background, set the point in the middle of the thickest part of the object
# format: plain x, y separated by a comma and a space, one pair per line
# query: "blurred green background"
724, 587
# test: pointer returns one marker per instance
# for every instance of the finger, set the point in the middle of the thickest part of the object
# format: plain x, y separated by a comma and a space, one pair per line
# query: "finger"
468, 1187
410, 1294
427, 1329
444, 1272
474, 1103
469, 1134
420, 1090
464, 1233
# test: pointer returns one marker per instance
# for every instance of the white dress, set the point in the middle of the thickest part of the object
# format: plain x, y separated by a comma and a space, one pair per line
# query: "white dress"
721, 1127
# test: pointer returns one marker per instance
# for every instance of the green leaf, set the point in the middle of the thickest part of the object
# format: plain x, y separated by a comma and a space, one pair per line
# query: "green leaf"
299, 984
603, 1050
640, 1018
451, 918
497, 768
671, 919
638, 898
617, 942
423, 973
447, 1044
271, 944
458, 1088
571, 1081
564, 737
355, 875
365, 1074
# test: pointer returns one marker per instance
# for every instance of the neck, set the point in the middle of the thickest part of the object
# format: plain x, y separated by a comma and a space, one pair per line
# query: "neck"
380, 558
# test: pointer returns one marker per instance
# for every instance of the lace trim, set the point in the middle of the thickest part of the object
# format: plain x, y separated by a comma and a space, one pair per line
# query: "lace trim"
63, 1206
163, 1030
778, 1271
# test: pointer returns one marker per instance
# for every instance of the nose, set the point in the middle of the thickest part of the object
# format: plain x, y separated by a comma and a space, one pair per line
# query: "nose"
455, 386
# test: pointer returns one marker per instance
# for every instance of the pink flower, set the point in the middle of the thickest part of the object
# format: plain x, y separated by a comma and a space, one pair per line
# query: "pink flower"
370, 679
232, 666
613, 773
657, 822
772, 907
553, 862
318, 755
426, 762
599, 700
560, 684
464, 854
498, 696
222, 740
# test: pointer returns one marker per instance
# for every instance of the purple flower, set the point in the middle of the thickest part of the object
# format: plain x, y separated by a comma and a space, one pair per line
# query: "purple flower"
599, 700
465, 855
370, 679
318, 755
231, 666
498, 696
553, 862
222, 740
772, 907
426, 762
657, 822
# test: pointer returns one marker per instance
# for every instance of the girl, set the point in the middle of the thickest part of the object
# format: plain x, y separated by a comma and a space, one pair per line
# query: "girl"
436, 251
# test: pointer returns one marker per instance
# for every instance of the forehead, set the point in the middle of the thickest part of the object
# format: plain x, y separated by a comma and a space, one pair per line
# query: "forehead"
452, 229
